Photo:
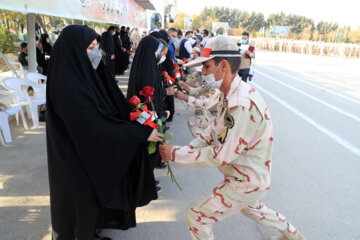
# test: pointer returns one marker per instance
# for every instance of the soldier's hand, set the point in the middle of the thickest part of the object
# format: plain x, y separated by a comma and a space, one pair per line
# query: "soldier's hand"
165, 152
182, 96
184, 86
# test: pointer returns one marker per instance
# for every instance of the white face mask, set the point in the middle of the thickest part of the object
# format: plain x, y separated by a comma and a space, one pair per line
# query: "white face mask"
95, 57
173, 39
210, 79
162, 59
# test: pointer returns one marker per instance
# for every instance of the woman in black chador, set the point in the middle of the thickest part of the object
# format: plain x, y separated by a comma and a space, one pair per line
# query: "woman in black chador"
168, 66
125, 57
145, 71
98, 164
119, 69
45, 43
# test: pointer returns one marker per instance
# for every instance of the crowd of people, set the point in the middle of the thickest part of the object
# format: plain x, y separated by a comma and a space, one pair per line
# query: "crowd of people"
43, 51
100, 164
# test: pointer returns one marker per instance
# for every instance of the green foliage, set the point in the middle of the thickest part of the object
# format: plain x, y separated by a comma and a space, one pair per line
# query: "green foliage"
152, 148
167, 136
6, 41
300, 27
220, 31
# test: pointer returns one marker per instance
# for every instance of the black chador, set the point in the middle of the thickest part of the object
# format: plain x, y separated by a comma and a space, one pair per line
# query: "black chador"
168, 66
108, 49
125, 57
118, 63
98, 163
145, 72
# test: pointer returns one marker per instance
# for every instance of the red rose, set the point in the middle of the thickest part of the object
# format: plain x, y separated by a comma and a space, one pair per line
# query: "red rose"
134, 116
163, 73
176, 65
148, 93
184, 59
134, 101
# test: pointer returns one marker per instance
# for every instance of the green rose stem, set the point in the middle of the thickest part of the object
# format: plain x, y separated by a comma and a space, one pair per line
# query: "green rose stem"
166, 137
173, 179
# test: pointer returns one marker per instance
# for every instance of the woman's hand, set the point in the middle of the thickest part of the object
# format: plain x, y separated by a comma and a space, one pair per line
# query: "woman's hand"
155, 136
171, 91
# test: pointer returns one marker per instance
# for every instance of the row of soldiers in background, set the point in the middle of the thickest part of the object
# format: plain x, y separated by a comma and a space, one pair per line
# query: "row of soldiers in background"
115, 45
43, 51
349, 50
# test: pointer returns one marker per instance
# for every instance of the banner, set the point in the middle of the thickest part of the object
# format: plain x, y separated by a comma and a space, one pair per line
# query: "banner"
279, 31
188, 23
122, 12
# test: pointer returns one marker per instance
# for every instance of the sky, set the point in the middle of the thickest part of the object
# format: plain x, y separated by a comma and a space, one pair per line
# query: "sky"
344, 12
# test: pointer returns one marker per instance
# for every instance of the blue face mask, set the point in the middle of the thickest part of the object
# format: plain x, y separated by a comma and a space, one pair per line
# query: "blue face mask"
244, 41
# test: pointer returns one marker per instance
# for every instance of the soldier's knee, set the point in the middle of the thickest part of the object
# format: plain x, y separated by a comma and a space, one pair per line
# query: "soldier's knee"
190, 214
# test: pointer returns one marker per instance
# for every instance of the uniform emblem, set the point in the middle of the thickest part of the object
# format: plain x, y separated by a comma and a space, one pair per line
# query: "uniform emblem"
223, 135
206, 52
226, 103
212, 92
229, 121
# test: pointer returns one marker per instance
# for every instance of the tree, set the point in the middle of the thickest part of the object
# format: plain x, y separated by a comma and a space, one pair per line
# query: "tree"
255, 22
276, 19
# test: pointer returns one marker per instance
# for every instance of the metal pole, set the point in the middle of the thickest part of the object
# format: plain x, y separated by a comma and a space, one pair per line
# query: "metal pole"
30, 19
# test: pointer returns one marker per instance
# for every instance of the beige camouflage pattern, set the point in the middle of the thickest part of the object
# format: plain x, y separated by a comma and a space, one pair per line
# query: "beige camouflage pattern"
238, 142
207, 105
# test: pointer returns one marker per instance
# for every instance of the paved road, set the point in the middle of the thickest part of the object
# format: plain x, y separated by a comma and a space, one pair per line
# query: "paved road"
315, 106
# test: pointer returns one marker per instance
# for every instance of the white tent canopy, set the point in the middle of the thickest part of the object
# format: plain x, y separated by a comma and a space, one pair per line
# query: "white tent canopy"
125, 12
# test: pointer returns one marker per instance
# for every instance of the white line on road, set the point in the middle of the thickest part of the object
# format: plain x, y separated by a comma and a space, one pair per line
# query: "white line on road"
312, 97
323, 129
315, 85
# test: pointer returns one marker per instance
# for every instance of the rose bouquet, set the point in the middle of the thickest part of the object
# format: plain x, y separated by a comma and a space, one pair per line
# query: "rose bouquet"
141, 114
169, 81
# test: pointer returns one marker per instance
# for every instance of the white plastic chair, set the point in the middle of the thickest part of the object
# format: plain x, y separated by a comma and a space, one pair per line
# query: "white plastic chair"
19, 68
35, 77
19, 87
14, 108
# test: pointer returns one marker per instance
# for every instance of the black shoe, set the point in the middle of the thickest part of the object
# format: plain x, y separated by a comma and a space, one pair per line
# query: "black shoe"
167, 128
161, 166
157, 183
158, 189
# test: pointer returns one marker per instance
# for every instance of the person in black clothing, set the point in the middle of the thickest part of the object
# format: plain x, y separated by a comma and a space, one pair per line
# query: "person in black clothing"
23, 58
125, 57
44, 40
119, 52
40, 57
97, 159
168, 66
145, 71
108, 49
185, 49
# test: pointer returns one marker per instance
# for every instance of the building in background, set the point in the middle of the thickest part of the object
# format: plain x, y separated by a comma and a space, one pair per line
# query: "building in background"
165, 12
